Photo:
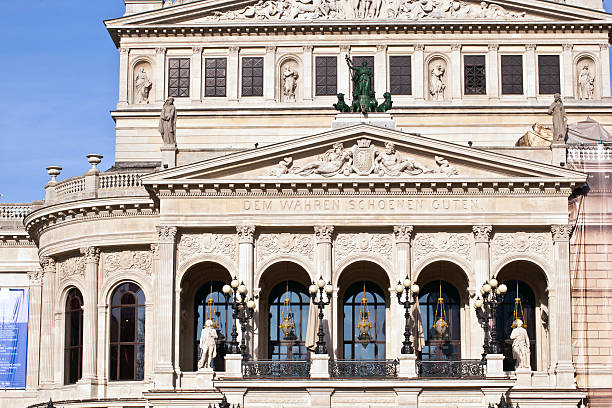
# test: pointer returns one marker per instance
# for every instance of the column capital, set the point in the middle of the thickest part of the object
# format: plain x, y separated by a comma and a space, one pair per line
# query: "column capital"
166, 235
381, 47
419, 47
35, 277
561, 232
456, 47
234, 49
196, 50
245, 233
604, 46
530, 47
493, 47
91, 254
270, 48
307, 48
403, 233
482, 233
323, 233
160, 50
345, 48
124, 50
568, 47
47, 264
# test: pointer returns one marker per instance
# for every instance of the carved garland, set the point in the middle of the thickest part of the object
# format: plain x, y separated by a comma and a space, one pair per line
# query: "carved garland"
192, 245
428, 244
124, 261
376, 245
506, 244
270, 245
71, 267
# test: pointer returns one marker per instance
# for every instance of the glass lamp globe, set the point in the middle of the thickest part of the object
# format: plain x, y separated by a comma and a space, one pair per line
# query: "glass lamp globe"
227, 289
312, 289
399, 288
251, 304
415, 289
486, 287
407, 283
234, 283
478, 303
329, 288
503, 288
493, 282
321, 282
242, 289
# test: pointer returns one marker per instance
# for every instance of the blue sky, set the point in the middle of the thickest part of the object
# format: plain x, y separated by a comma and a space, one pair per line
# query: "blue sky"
59, 76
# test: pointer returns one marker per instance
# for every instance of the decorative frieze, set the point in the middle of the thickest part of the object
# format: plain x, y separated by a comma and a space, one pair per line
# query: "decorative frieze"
269, 245
506, 244
245, 233
431, 244
128, 261
71, 267
192, 245
374, 244
403, 233
323, 233
561, 232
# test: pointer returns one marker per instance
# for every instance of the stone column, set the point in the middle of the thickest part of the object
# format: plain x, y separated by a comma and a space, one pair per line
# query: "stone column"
246, 262
196, 75
482, 235
34, 333
91, 257
418, 68
567, 71
323, 259
164, 300
403, 270
47, 320
530, 70
380, 69
160, 74
233, 72
604, 68
307, 73
561, 257
269, 73
493, 71
124, 57
344, 76
455, 77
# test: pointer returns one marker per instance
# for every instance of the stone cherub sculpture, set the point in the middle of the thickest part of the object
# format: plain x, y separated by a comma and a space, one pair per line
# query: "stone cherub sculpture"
557, 110
143, 86
167, 122
208, 345
520, 346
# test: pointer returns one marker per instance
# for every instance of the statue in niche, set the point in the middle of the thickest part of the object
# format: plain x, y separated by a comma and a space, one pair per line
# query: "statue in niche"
586, 83
167, 122
143, 86
390, 163
557, 110
334, 161
208, 345
520, 346
437, 86
290, 78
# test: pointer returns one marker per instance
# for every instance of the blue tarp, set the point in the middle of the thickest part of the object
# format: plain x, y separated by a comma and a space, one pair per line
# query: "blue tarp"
13, 337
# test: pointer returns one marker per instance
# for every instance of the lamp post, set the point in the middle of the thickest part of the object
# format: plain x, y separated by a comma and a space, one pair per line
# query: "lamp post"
242, 310
492, 295
320, 286
412, 292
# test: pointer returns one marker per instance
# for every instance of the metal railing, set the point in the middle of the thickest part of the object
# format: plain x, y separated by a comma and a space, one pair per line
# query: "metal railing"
450, 369
363, 368
276, 369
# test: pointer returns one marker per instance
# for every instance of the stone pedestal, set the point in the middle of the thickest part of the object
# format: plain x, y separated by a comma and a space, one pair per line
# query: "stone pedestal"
407, 366
233, 366
320, 366
566, 375
559, 154
204, 379
495, 365
523, 377
383, 120
168, 156
320, 397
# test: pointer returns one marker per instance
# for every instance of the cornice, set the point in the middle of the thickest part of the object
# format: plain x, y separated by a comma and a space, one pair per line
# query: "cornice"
18, 239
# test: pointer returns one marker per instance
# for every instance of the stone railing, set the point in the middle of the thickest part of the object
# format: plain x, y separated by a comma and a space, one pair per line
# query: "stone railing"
120, 180
73, 187
589, 152
96, 185
14, 212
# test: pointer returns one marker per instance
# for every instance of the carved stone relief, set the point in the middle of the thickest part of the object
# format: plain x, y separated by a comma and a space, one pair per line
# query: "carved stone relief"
438, 80
374, 244
133, 261
506, 244
269, 245
430, 244
585, 79
71, 267
191, 245
289, 75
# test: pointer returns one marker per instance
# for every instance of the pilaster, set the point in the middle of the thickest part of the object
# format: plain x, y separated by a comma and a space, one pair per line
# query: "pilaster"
604, 68
567, 69
380, 69
196, 75
47, 320
307, 72
530, 70
344, 76
482, 236
124, 57
160, 74
323, 259
456, 77
418, 68
91, 258
493, 71
34, 330
269, 72
164, 295
246, 240
233, 68
403, 270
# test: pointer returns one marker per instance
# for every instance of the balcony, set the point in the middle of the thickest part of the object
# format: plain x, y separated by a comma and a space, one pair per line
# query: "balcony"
363, 368
260, 369
463, 369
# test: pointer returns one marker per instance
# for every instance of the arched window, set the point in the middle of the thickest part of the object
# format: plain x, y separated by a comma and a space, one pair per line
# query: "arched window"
355, 345
448, 345
210, 302
73, 348
281, 346
505, 318
127, 333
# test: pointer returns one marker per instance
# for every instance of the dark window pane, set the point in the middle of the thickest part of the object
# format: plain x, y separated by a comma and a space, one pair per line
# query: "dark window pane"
215, 76
252, 76
549, 74
73, 346
400, 75
474, 75
357, 61
512, 74
178, 77
126, 365
280, 345
325, 76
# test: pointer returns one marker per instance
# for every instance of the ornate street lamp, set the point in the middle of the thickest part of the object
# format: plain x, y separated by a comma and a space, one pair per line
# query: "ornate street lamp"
320, 286
492, 296
412, 293
242, 310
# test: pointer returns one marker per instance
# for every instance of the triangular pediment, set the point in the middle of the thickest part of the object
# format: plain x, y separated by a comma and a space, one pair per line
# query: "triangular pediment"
364, 153
230, 12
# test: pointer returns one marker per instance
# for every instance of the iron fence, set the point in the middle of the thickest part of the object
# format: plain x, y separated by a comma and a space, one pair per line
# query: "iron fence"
363, 368
276, 369
450, 369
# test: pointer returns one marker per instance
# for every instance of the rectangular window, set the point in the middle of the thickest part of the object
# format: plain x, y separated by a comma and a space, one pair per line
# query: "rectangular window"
549, 75
357, 61
400, 75
215, 72
474, 72
178, 77
512, 74
252, 76
326, 75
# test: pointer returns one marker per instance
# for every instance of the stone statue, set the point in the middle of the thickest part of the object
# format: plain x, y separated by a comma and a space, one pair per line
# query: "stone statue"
390, 163
557, 110
167, 122
445, 166
143, 87
208, 345
332, 162
520, 346
362, 87
282, 167
586, 83
539, 136
437, 86
289, 84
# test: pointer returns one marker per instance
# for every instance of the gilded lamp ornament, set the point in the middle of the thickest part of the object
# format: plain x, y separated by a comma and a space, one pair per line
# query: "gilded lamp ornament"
287, 325
440, 323
364, 326
518, 310
211, 309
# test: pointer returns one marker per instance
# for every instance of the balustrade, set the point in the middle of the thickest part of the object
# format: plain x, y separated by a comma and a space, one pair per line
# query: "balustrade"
13, 212
363, 368
276, 369
451, 369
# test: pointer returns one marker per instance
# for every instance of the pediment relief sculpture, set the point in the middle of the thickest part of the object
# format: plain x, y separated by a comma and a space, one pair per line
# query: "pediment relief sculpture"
363, 159
273, 10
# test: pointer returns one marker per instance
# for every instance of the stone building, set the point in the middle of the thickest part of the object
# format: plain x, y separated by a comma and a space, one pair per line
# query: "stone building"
266, 186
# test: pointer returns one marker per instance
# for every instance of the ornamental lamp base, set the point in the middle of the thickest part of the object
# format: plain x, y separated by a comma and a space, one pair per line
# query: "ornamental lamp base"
495, 365
407, 366
320, 366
